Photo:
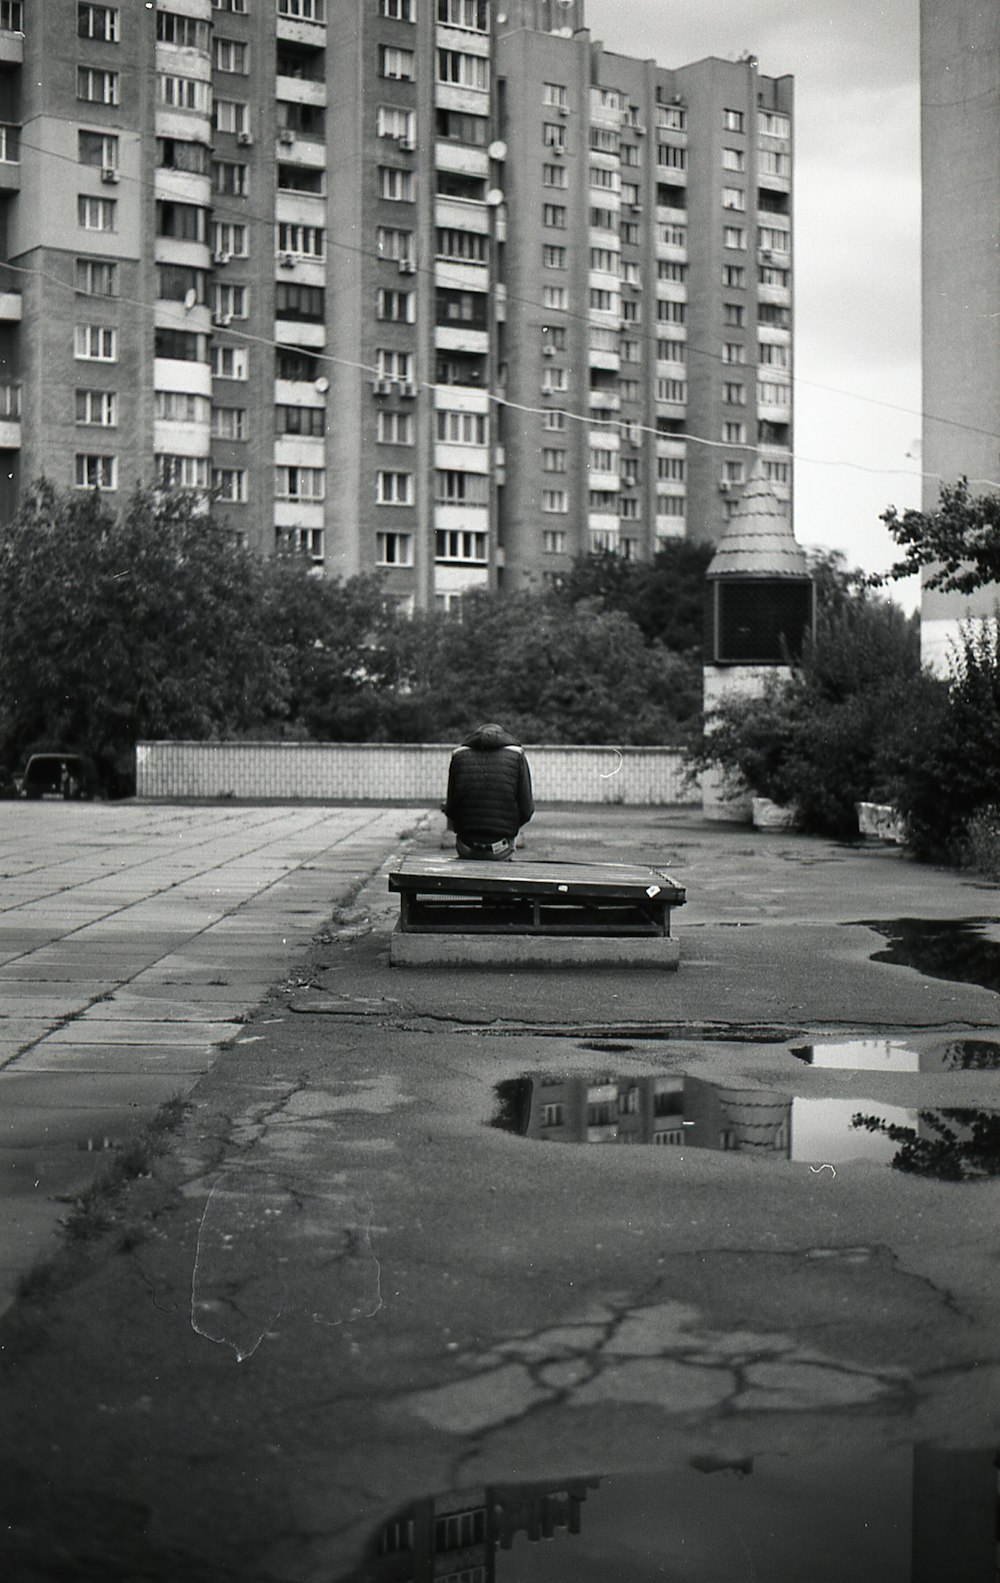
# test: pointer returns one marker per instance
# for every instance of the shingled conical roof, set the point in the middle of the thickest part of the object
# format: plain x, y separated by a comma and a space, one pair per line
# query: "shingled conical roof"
758, 540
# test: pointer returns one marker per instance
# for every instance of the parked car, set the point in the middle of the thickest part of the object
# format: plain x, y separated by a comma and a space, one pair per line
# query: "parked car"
67, 775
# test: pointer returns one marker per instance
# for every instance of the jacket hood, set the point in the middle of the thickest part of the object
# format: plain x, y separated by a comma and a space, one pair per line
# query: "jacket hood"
487, 738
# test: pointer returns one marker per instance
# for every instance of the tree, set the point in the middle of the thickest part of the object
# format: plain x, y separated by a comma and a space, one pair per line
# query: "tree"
665, 597
144, 623
959, 542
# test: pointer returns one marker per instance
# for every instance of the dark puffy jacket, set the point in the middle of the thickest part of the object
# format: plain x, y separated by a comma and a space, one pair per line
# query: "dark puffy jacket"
489, 787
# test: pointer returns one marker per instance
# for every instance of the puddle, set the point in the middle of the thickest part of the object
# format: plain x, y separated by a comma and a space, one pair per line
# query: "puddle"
896, 1055
825, 1516
678, 1111
941, 948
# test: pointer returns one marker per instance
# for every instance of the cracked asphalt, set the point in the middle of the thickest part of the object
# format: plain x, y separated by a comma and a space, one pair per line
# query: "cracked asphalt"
345, 1292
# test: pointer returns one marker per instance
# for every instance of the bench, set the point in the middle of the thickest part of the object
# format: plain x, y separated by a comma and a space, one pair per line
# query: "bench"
459, 910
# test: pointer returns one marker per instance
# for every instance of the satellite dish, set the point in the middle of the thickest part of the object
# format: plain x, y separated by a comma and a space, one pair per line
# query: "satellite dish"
497, 150
494, 197
190, 298
322, 384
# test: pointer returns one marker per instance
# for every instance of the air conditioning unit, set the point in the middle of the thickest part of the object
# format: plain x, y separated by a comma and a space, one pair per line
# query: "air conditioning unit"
640, 131
286, 260
548, 351
221, 258
286, 135
110, 175
563, 111
244, 139
637, 208
382, 387
406, 144
724, 486
223, 320
407, 266
558, 150
408, 390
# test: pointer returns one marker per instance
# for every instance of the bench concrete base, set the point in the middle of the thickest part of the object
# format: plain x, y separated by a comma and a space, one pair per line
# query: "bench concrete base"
532, 950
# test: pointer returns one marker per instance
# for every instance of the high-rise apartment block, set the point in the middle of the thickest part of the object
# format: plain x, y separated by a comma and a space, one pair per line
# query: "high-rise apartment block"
439, 287
960, 135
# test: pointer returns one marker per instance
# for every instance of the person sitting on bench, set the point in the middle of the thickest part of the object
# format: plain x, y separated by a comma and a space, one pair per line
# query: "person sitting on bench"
489, 794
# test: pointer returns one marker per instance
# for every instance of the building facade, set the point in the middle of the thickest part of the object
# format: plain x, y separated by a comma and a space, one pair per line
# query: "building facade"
438, 287
960, 135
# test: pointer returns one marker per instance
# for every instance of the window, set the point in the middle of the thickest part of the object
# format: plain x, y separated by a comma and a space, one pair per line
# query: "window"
554, 420
11, 16
671, 390
671, 351
771, 163
771, 313
733, 352
398, 10
603, 140
307, 421
394, 489
230, 362
97, 148
470, 247
237, 7
604, 260
603, 301
175, 153
96, 472
768, 275
734, 275
734, 198
97, 408
772, 240
608, 179
229, 484
459, 544
303, 10
672, 235
774, 123
669, 269
555, 176
231, 115
553, 257
175, 281
181, 472
774, 356
392, 121
394, 549
554, 215
228, 240
554, 134
183, 346
292, 301
735, 395
230, 302
98, 21
670, 505
394, 365
395, 64
555, 500
396, 428
465, 71
732, 120
553, 461
452, 487
734, 433
95, 86
95, 343
398, 186
672, 156
97, 277
778, 472
296, 362
459, 127
178, 406
230, 54
773, 393
300, 483
671, 116
462, 428
672, 467
172, 28
306, 241
230, 178
631, 352
629, 509
553, 543
668, 312
398, 307
184, 93
604, 219
471, 14
397, 245
734, 159
598, 461
554, 93
555, 297
734, 236
734, 315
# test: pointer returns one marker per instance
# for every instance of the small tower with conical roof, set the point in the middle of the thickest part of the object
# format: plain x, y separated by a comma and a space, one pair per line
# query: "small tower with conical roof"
761, 607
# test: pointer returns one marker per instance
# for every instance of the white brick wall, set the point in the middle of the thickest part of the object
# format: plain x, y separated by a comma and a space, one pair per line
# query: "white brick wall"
397, 772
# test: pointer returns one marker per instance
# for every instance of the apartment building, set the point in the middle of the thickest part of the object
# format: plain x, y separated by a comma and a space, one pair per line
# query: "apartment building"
438, 287
960, 257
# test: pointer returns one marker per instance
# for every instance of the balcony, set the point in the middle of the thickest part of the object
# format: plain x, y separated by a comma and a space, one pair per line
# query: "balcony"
12, 44
302, 22
300, 90
10, 417
10, 306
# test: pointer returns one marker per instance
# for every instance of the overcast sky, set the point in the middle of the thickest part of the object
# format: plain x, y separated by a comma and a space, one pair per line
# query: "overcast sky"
856, 237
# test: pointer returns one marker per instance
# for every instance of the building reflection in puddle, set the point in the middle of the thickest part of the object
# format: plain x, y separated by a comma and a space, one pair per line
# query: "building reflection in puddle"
675, 1110
896, 1055
906, 1514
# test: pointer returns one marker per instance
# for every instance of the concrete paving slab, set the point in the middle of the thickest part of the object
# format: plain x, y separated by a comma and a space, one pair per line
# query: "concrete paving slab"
137, 1034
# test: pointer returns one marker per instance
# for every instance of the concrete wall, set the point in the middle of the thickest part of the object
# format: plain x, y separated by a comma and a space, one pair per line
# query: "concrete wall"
398, 772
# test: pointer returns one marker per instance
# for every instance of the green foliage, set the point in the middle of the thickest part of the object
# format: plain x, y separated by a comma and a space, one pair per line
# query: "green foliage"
829, 734
949, 770
118, 627
665, 597
957, 546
